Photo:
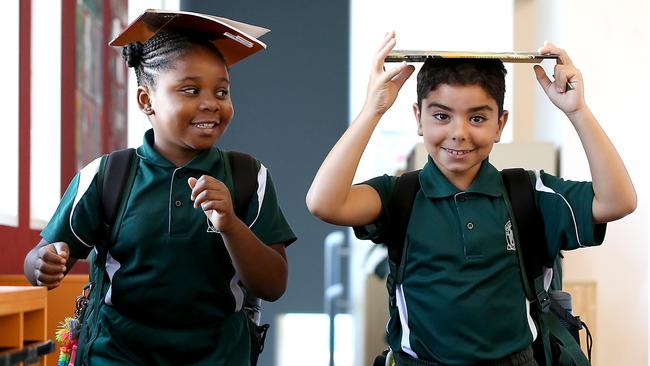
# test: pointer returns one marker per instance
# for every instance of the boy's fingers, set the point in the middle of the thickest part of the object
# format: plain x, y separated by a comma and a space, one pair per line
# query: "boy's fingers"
384, 50
560, 80
543, 79
404, 74
563, 57
393, 72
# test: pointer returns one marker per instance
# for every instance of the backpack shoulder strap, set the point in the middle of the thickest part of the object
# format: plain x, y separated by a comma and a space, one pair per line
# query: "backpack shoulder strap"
244, 179
116, 179
243, 168
399, 211
528, 223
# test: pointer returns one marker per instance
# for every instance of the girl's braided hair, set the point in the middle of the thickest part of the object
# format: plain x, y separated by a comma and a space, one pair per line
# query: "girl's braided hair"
159, 52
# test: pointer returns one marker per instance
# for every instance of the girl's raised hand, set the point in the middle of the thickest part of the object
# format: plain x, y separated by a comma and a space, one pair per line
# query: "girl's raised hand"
384, 85
213, 197
566, 91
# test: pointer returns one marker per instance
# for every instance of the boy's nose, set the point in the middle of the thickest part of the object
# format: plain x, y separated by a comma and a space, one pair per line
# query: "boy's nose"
458, 131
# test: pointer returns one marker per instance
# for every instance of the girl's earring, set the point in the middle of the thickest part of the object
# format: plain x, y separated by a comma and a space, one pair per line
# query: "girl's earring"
147, 109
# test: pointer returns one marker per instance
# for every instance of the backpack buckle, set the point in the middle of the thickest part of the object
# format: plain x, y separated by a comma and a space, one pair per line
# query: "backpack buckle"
543, 300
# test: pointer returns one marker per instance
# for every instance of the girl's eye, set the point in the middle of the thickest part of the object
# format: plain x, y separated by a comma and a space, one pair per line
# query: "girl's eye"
191, 90
477, 119
222, 93
441, 116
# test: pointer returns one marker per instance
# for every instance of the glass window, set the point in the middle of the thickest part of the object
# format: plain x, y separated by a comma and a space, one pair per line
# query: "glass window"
45, 185
9, 126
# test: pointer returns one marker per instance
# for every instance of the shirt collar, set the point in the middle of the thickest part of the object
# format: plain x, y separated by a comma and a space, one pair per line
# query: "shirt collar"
204, 161
435, 185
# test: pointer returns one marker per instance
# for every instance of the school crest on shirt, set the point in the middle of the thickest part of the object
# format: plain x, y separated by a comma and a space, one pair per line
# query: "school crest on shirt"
510, 236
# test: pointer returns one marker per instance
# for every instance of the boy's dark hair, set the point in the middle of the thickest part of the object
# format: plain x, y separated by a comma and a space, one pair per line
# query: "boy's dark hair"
159, 51
488, 74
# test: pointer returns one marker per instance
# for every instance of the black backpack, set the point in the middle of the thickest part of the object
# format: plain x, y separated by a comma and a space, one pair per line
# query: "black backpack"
116, 176
558, 340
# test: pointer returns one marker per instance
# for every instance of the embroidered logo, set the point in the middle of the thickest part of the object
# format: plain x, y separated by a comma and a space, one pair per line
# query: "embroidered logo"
510, 236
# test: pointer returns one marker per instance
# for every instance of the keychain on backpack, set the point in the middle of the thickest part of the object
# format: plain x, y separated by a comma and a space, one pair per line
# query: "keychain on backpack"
68, 333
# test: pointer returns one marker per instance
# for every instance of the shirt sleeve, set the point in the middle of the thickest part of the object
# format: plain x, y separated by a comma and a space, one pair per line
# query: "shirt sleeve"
76, 220
566, 207
265, 215
375, 231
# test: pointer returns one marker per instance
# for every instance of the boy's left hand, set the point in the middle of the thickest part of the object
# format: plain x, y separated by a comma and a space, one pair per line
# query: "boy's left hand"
569, 100
213, 197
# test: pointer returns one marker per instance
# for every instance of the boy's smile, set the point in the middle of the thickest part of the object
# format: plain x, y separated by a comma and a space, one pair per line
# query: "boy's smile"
459, 123
191, 105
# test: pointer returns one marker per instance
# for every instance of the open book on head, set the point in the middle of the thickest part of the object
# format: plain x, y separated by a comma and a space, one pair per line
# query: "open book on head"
235, 40
421, 56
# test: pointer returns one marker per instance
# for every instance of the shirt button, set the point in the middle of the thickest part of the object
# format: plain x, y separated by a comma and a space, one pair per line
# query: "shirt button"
178, 203
470, 225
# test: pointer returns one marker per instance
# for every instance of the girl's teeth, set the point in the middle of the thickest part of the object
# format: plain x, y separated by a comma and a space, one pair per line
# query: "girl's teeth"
205, 125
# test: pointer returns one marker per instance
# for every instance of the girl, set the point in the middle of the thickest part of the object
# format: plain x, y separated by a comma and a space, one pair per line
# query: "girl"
181, 255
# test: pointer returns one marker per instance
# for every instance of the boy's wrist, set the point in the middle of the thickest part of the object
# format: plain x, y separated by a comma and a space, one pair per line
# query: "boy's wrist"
579, 114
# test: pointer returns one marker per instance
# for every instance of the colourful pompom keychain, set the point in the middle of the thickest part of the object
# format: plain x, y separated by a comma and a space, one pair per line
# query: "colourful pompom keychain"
67, 335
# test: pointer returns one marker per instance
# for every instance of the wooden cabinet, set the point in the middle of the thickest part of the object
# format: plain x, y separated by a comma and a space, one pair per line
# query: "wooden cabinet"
60, 303
23, 316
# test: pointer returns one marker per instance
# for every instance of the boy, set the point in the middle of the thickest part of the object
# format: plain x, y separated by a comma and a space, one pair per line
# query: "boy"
461, 300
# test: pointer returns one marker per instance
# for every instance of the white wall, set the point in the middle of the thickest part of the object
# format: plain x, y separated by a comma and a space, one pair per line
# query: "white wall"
609, 42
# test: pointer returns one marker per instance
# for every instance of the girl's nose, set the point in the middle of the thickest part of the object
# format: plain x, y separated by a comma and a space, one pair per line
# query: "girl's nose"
209, 104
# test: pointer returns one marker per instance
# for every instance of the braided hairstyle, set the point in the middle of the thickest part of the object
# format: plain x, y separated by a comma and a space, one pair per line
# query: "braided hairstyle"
159, 52
488, 74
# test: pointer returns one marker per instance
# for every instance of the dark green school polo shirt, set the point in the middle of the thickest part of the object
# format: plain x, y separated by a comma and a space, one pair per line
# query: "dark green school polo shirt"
169, 269
461, 299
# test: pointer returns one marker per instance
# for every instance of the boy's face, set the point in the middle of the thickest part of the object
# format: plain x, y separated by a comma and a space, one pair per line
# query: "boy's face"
459, 124
190, 104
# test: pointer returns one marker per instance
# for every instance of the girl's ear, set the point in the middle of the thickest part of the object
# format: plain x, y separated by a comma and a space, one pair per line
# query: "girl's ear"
416, 113
502, 123
144, 100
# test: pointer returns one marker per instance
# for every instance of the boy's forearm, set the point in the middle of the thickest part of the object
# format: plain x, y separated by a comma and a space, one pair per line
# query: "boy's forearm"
614, 194
331, 186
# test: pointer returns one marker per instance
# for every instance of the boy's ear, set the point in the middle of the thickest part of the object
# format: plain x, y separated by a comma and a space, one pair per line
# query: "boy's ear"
416, 113
503, 119
144, 100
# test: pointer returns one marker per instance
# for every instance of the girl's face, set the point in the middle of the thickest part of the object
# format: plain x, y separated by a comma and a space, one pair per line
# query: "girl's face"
190, 105
459, 123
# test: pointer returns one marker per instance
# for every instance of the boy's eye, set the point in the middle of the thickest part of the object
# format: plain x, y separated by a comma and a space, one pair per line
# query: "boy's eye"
222, 93
477, 119
441, 116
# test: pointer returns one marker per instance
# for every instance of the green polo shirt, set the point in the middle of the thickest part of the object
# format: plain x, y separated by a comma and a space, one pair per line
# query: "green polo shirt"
461, 299
170, 271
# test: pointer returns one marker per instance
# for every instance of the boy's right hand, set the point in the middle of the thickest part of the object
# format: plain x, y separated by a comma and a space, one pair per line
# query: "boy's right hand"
384, 85
50, 264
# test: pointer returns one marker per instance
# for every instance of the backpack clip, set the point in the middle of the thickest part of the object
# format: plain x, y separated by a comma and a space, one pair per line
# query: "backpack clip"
543, 300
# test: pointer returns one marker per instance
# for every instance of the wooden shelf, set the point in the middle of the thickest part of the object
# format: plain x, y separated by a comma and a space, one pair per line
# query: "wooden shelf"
23, 317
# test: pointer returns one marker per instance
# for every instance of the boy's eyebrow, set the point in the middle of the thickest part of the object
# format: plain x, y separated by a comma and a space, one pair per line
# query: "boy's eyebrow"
438, 105
470, 110
480, 108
